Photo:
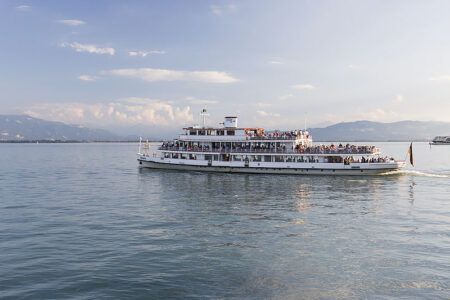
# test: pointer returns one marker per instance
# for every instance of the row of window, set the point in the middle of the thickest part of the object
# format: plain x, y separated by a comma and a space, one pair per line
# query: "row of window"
211, 132
254, 158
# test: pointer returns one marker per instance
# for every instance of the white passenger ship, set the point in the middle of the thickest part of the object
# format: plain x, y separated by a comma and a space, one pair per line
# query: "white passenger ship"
251, 150
440, 140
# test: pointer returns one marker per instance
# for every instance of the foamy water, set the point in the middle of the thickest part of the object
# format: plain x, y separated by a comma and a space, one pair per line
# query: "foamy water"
416, 173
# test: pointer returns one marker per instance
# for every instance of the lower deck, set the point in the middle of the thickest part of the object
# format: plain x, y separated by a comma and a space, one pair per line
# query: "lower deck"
298, 168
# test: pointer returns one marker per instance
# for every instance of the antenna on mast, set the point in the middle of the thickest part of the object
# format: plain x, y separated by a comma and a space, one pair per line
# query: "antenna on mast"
203, 115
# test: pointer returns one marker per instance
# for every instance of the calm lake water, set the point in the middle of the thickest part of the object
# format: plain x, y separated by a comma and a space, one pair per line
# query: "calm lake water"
82, 221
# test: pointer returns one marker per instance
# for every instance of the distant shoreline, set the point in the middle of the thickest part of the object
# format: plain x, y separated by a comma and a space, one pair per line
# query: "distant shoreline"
160, 141
60, 142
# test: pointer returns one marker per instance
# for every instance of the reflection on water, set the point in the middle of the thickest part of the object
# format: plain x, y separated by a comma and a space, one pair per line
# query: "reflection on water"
345, 233
303, 197
411, 191
297, 191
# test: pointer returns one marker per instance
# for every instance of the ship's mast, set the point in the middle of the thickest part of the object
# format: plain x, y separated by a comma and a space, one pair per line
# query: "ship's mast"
203, 115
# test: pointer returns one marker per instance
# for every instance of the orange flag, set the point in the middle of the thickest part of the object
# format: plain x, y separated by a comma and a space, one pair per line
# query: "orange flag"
411, 159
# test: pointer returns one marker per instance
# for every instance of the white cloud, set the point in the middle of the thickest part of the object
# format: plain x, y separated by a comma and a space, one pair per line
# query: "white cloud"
260, 104
199, 101
275, 62
145, 53
443, 78
220, 9
216, 10
71, 22
263, 113
377, 115
128, 111
302, 87
88, 48
88, 78
23, 7
149, 74
284, 97
354, 67
398, 99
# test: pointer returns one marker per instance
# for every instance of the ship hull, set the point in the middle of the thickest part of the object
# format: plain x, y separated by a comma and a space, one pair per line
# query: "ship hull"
369, 169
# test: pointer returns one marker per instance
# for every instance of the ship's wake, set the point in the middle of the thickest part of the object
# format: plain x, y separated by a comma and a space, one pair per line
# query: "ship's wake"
417, 173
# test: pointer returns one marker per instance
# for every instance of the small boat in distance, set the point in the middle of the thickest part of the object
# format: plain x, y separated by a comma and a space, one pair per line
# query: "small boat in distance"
234, 149
440, 140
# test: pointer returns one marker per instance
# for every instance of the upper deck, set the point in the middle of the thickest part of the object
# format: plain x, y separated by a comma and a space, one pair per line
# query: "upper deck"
239, 134
230, 132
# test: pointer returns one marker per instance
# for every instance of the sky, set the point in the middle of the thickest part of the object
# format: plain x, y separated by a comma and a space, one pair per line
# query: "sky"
133, 66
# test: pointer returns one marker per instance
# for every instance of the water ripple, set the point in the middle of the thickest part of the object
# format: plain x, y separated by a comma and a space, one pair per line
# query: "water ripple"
81, 221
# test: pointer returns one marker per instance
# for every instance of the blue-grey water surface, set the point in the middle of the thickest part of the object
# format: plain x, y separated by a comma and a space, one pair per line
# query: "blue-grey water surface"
82, 221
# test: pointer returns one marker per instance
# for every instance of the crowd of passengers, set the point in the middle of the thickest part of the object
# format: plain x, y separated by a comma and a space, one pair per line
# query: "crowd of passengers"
325, 149
350, 159
278, 134
321, 149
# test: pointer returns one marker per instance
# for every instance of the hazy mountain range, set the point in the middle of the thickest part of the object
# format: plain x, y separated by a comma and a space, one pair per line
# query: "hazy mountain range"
376, 131
26, 128
23, 128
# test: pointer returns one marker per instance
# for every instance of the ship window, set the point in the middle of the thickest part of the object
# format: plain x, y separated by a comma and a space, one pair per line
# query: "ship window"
166, 155
174, 155
184, 156
279, 159
208, 157
257, 158
290, 159
193, 132
225, 157
230, 132
201, 132
334, 159
267, 158
216, 157
220, 132
192, 156
237, 157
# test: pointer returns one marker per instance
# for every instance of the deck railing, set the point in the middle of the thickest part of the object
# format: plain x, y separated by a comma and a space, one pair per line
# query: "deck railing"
281, 151
246, 137
264, 137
